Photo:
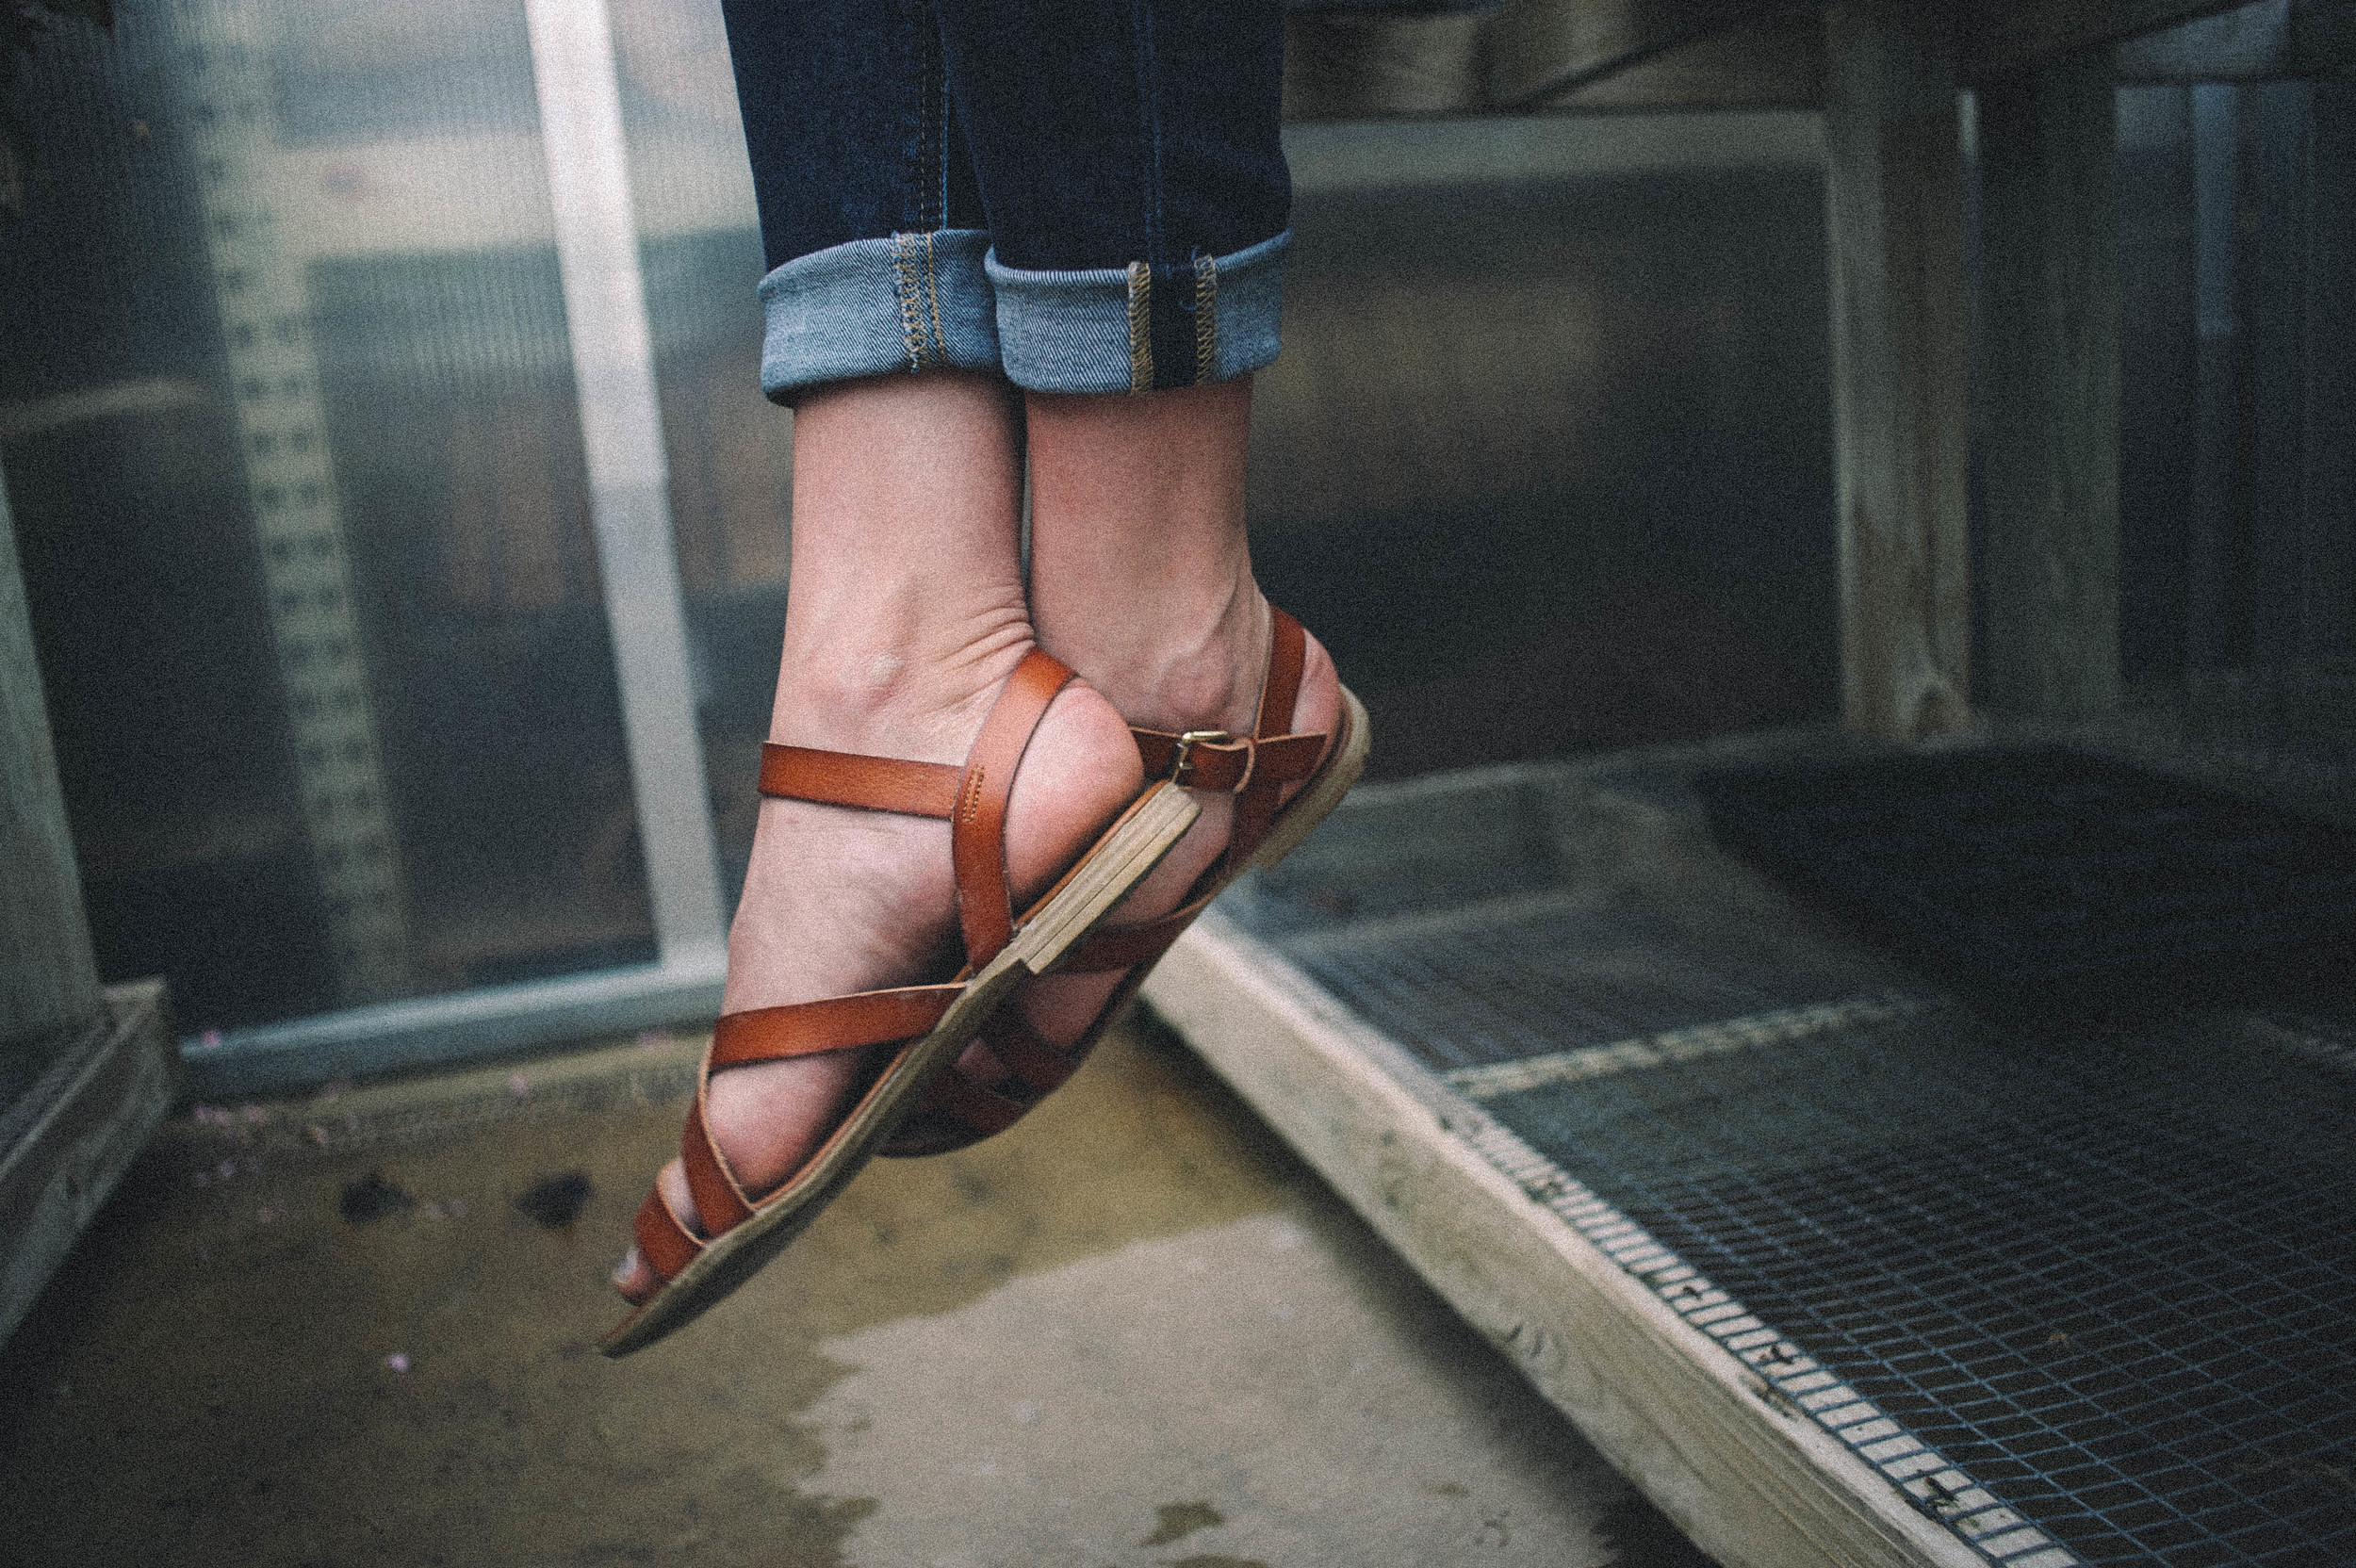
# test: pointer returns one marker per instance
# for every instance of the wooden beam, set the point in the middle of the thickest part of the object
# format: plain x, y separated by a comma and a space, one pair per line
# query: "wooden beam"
1348, 65
2049, 283
2328, 480
48, 979
2003, 38
1539, 49
1611, 55
1894, 224
2271, 40
84, 1074
1774, 59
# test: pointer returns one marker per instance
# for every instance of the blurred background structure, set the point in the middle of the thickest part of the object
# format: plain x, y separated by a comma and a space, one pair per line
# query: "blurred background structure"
405, 538
292, 390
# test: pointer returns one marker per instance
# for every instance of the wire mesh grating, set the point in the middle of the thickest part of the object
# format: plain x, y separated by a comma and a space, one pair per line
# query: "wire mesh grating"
2114, 1297
1511, 979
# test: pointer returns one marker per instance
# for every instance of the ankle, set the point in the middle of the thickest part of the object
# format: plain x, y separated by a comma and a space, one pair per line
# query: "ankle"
1184, 659
911, 687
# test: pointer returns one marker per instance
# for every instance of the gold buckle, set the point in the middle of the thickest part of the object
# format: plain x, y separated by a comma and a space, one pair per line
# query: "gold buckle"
1187, 744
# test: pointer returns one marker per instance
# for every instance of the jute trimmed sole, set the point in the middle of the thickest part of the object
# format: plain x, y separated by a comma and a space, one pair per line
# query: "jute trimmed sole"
1130, 849
1320, 792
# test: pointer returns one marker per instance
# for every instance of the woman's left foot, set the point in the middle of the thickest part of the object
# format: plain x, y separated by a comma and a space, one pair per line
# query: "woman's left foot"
1055, 1019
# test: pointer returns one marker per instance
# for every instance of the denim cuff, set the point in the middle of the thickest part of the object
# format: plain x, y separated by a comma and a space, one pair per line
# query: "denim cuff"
912, 302
1141, 328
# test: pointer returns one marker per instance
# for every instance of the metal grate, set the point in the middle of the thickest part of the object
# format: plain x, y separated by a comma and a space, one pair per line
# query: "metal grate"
2120, 1297
2113, 1277
1803, 1386
1511, 979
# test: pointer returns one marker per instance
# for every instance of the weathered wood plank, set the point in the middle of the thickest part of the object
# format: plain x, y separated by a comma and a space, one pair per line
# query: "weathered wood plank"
63, 1152
1894, 224
2278, 554
48, 980
2048, 280
1347, 65
1753, 1486
2329, 483
2266, 41
1539, 49
1617, 55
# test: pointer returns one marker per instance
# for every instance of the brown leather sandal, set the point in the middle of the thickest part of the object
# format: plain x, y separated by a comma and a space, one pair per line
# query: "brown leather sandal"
929, 1023
963, 1107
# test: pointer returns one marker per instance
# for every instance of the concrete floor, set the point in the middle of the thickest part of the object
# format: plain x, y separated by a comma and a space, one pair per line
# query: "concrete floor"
1133, 1331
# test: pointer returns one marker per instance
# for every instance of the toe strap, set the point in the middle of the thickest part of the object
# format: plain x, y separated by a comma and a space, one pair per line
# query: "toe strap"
983, 1110
668, 1244
1109, 950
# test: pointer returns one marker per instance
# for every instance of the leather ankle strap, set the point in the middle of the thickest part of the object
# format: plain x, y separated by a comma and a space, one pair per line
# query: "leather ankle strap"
972, 798
848, 778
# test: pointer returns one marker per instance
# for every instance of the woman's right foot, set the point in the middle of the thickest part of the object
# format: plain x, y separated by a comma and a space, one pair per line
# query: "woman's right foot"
906, 616
1141, 578
1061, 1007
839, 900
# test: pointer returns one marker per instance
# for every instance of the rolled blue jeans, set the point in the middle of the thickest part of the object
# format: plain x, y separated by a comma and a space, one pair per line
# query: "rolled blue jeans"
1083, 195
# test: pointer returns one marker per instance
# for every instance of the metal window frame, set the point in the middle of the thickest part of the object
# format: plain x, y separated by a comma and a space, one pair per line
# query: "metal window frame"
578, 86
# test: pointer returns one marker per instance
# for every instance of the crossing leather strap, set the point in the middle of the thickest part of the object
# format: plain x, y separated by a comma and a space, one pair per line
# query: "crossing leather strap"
666, 1244
721, 1201
983, 1110
978, 831
837, 1023
1036, 1063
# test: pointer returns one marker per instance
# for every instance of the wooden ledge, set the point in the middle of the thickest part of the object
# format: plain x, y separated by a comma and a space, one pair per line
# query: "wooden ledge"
76, 1133
1744, 1472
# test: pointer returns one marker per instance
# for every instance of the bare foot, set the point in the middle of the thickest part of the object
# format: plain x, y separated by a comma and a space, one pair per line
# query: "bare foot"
1062, 1006
839, 900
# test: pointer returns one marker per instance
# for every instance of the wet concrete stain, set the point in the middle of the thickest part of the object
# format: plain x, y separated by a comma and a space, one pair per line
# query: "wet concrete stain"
1212, 1560
364, 1354
372, 1198
1177, 1521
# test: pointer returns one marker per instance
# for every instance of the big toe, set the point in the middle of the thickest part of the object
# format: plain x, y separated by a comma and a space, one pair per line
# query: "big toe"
634, 1277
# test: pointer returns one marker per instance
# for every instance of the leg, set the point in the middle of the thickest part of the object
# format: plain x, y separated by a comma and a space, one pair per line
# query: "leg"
1137, 233
1141, 578
1155, 202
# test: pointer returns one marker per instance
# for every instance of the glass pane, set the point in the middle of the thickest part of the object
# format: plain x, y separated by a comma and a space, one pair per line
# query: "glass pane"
290, 430
730, 450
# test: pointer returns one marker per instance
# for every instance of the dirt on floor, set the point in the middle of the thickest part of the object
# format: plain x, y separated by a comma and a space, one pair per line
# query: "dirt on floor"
358, 1329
